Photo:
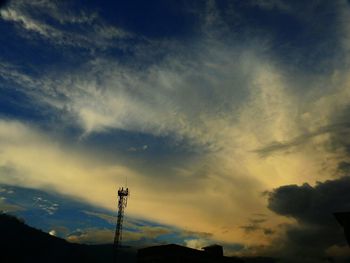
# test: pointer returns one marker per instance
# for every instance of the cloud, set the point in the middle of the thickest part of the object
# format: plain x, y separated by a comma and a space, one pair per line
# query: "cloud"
221, 97
209, 100
344, 167
153, 231
55, 10
250, 228
91, 236
138, 149
257, 224
341, 252
271, 4
141, 235
302, 139
138, 232
53, 232
24, 147
197, 243
197, 234
88, 31
49, 207
3, 189
316, 233
29, 24
312, 204
69, 171
110, 219
7, 207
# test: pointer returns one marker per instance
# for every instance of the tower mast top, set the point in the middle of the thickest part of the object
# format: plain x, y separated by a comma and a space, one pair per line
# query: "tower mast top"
123, 194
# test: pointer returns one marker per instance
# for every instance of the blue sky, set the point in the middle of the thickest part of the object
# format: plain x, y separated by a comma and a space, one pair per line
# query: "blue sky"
80, 222
207, 107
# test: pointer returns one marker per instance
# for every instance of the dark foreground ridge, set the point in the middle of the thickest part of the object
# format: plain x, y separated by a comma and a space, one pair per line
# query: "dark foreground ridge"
22, 243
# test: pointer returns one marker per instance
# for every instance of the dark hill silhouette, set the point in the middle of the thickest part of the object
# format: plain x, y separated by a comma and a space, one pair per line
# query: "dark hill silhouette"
22, 243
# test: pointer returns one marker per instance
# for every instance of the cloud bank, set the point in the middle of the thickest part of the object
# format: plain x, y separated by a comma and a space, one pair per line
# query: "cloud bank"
317, 234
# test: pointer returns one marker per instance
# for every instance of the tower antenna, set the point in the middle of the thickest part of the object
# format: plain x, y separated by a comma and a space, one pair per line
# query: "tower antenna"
122, 202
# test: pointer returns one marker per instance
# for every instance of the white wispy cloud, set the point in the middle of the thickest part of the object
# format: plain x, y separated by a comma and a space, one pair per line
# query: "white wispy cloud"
102, 236
28, 23
88, 30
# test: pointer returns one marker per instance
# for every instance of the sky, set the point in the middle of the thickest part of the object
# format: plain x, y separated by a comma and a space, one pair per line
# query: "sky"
226, 119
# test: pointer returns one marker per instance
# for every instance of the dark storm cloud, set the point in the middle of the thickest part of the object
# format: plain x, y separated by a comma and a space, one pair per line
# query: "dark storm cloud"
302, 139
313, 205
313, 208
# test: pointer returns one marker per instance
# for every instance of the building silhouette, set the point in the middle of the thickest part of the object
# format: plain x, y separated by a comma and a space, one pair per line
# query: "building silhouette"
173, 253
214, 250
344, 220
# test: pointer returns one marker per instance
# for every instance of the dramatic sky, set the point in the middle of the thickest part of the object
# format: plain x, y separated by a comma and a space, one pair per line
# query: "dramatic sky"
228, 119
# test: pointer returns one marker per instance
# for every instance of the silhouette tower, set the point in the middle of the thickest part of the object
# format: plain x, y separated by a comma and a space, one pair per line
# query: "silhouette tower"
122, 202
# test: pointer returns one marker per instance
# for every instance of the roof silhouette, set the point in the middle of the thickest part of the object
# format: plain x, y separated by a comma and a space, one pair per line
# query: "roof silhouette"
344, 220
173, 253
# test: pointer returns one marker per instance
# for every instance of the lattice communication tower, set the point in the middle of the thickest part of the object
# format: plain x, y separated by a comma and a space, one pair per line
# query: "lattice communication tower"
123, 194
